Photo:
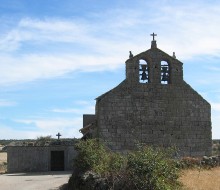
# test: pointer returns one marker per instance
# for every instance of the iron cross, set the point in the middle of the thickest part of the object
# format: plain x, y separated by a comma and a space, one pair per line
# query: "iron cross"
58, 134
153, 35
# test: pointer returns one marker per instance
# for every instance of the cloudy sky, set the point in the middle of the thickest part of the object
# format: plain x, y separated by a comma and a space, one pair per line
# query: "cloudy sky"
57, 56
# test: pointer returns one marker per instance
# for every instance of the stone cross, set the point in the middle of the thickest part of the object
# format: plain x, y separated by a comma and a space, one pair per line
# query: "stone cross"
58, 135
153, 35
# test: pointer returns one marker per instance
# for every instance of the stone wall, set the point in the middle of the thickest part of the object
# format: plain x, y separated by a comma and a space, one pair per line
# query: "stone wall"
36, 159
156, 114
162, 116
88, 119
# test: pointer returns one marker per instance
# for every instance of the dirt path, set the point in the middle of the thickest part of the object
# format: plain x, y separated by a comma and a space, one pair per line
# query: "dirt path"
34, 181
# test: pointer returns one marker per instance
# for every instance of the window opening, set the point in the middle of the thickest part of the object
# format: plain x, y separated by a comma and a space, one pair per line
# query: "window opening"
143, 72
165, 77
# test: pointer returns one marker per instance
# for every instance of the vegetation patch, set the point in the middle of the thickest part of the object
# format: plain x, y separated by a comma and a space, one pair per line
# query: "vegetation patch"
96, 167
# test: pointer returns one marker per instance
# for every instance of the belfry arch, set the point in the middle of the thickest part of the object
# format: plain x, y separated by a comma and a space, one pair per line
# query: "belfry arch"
143, 71
165, 72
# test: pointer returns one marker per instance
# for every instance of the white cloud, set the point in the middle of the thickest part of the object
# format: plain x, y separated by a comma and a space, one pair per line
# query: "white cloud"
87, 110
32, 67
216, 107
8, 132
42, 31
6, 103
69, 128
213, 68
215, 125
215, 120
84, 103
189, 29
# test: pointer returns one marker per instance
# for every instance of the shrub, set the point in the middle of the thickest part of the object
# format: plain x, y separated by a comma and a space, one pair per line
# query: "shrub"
42, 140
92, 156
95, 157
145, 168
150, 168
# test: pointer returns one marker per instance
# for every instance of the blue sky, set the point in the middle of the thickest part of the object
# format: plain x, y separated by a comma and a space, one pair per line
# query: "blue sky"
57, 56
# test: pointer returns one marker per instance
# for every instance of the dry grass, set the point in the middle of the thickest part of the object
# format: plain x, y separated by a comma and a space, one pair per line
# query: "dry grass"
3, 159
195, 179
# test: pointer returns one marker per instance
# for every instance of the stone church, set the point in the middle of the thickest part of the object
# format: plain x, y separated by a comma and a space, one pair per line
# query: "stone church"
153, 105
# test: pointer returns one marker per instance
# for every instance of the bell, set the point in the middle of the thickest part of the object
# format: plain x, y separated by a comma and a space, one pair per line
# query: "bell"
144, 76
164, 69
165, 77
144, 67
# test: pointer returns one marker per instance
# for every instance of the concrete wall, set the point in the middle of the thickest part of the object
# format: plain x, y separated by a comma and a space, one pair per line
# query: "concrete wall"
36, 158
156, 114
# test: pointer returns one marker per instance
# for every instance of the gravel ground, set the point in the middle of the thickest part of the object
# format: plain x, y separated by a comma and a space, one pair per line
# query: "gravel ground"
34, 181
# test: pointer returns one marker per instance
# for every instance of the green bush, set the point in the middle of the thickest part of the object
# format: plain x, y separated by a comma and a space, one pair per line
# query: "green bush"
145, 168
152, 169
92, 156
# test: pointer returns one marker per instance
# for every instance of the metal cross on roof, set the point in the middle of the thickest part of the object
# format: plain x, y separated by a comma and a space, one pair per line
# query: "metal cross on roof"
58, 135
153, 35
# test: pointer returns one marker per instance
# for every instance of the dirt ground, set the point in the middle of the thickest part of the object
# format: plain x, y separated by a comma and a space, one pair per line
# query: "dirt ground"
30, 181
201, 179
34, 181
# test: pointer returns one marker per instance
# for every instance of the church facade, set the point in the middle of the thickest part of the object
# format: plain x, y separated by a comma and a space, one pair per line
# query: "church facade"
154, 106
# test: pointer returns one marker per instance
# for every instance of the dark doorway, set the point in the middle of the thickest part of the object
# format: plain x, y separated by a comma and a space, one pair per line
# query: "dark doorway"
57, 161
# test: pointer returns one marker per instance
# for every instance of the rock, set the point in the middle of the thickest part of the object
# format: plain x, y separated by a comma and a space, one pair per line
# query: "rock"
93, 180
88, 180
211, 161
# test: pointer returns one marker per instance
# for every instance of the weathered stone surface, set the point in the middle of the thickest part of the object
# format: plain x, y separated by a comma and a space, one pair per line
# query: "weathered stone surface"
211, 161
171, 114
37, 158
